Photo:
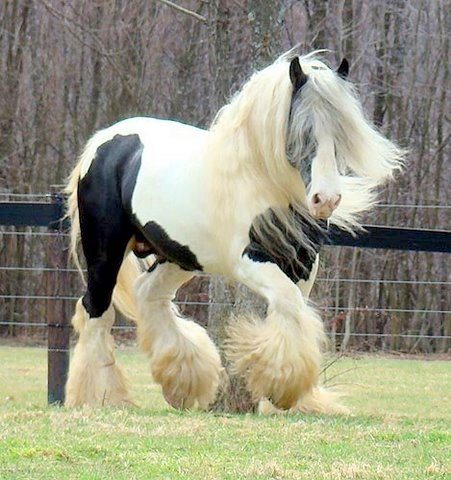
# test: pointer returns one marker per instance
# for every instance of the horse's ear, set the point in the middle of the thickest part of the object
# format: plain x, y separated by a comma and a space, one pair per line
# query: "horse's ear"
343, 69
297, 76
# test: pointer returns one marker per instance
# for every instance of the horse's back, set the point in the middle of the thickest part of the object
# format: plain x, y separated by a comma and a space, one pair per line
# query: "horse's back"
166, 139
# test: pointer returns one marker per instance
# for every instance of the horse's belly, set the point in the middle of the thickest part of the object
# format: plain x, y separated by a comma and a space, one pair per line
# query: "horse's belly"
169, 204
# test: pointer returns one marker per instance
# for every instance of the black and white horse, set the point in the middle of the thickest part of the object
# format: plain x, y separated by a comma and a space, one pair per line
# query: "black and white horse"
246, 199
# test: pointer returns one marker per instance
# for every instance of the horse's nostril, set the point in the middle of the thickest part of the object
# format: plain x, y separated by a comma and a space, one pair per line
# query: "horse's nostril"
337, 201
316, 199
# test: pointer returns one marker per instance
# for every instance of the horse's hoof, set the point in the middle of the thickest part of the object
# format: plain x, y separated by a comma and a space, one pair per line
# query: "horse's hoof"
179, 403
173, 401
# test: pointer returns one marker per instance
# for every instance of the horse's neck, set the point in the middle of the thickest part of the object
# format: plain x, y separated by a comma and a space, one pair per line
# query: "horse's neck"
241, 182
238, 192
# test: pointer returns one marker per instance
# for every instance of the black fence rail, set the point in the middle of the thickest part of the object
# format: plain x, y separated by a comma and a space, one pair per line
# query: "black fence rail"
50, 215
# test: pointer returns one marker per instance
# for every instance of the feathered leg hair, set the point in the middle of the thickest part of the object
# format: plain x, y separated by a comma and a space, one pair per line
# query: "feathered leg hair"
94, 377
183, 358
280, 356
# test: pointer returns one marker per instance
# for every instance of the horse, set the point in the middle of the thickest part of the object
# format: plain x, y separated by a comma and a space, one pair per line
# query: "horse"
250, 198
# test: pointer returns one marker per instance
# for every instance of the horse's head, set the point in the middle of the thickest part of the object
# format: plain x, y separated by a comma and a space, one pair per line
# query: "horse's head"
311, 146
341, 156
300, 113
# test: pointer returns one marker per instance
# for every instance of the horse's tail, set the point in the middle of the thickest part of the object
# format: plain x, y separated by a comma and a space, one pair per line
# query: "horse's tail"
123, 297
71, 190
72, 212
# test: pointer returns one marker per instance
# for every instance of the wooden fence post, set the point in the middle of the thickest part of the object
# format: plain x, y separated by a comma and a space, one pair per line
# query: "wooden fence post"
58, 324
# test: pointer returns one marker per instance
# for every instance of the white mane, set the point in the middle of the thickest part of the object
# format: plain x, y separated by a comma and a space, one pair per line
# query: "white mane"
260, 135
365, 157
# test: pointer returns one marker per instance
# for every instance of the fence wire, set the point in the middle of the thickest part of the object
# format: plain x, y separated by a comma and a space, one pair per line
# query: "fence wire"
390, 312
319, 279
234, 303
338, 334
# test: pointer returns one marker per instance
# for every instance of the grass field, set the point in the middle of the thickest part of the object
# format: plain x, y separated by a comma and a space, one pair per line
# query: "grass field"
399, 429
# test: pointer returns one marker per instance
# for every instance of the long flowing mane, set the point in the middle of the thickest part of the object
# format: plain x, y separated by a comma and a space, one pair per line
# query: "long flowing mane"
264, 138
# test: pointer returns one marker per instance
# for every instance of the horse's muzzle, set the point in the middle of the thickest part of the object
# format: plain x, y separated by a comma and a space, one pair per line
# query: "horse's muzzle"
322, 206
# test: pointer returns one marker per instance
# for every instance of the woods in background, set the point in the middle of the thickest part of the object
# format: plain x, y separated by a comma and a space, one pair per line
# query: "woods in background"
69, 68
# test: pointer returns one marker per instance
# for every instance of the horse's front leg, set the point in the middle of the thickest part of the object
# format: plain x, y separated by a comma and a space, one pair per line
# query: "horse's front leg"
306, 284
279, 357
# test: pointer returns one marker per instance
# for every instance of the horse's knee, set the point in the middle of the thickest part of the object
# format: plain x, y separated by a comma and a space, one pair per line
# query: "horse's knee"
287, 299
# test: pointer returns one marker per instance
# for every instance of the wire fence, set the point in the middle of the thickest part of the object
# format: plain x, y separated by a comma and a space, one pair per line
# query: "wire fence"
212, 303
406, 313
133, 328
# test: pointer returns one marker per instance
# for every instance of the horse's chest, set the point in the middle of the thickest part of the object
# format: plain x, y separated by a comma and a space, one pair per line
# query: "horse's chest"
297, 261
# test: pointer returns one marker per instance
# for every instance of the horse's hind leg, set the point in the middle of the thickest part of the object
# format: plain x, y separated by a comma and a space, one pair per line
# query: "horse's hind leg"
94, 377
183, 358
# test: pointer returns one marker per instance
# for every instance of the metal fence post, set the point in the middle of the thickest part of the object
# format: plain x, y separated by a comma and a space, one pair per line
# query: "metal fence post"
58, 324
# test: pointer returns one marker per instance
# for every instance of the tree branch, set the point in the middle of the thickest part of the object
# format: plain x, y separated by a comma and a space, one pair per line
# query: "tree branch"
184, 10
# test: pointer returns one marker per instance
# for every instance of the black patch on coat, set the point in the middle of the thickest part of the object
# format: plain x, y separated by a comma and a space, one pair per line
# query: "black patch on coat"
166, 248
104, 222
158, 261
107, 223
300, 267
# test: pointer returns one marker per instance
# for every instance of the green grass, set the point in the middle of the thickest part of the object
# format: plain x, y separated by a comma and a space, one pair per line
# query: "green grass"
399, 429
